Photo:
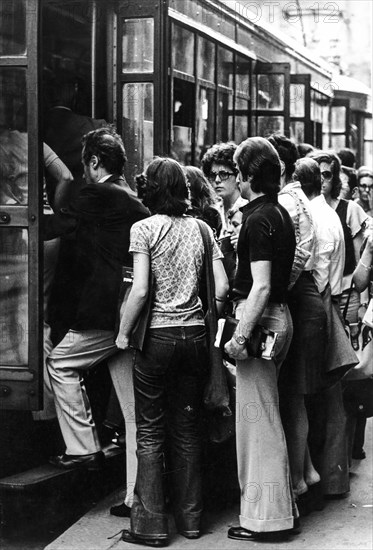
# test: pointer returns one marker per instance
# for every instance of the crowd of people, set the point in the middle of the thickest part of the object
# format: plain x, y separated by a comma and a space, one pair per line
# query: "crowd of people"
290, 233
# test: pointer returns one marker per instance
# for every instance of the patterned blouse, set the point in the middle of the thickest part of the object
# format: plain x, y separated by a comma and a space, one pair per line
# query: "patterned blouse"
176, 252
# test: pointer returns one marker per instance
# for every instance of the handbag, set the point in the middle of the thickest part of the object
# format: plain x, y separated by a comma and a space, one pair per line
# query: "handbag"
216, 393
139, 330
261, 343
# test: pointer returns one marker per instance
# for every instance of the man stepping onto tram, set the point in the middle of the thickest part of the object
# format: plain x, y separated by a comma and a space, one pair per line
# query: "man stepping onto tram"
102, 216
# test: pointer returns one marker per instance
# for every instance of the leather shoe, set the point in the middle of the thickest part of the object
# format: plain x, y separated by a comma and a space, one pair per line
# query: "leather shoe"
92, 462
127, 536
240, 533
190, 534
121, 511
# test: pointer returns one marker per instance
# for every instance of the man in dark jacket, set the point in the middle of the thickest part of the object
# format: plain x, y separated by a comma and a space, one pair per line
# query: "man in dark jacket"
102, 216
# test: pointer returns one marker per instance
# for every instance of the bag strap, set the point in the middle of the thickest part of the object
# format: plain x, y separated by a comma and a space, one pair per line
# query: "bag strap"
210, 282
345, 309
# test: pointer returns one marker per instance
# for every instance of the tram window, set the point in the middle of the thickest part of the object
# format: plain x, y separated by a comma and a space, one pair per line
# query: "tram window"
339, 119
183, 118
205, 119
297, 101
338, 142
268, 125
138, 130
297, 131
368, 149
13, 28
270, 91
224, 122
182, 50
14, 296
242, 76
13, 137
206, 60
241, 128
138, 45
225, 68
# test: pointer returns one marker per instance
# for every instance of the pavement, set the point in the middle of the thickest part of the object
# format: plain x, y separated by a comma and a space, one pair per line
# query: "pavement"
345, 524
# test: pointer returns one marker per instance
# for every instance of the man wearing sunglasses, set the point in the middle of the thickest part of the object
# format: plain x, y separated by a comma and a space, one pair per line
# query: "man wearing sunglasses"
365, 187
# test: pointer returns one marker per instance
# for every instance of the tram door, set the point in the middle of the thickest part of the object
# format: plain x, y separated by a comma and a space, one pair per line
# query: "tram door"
20, 199
271, 99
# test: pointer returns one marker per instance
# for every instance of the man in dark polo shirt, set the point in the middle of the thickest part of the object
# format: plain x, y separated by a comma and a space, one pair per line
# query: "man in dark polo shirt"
102, 216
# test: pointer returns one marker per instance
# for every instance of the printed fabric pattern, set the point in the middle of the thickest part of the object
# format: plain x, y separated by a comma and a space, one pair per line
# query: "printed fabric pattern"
175, 247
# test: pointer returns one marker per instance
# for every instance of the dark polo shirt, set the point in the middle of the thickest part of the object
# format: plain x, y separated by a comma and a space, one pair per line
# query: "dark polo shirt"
267, 234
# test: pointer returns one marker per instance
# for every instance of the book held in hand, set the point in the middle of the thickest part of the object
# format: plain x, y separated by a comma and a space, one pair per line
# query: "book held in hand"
261, 343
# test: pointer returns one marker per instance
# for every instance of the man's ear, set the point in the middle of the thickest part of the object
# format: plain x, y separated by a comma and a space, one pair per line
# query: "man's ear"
282, 167
95, 161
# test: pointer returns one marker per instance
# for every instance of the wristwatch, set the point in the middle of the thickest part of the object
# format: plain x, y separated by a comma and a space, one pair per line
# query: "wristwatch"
240, 339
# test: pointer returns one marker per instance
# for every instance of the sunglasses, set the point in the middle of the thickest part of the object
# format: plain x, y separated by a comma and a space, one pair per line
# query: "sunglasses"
223, 175
366, 187
327, 175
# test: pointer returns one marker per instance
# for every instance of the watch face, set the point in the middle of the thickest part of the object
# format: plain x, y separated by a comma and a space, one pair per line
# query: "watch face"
240, 339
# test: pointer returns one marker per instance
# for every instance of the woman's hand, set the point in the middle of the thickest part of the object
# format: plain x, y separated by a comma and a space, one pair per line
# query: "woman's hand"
235, 350
122, 342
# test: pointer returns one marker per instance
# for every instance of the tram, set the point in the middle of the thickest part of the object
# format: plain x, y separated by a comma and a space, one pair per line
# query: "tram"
174, 76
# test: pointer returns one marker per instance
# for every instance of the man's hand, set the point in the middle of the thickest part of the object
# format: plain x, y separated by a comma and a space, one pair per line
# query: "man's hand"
235, 350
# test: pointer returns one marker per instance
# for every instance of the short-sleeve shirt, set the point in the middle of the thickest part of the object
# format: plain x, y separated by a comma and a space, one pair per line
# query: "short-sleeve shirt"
267, 234
176, 252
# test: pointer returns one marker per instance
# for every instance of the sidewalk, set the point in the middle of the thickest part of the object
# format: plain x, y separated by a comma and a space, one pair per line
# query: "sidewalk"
343, 525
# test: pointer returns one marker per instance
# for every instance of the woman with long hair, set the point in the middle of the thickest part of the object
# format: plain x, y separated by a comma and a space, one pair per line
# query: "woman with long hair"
171, 369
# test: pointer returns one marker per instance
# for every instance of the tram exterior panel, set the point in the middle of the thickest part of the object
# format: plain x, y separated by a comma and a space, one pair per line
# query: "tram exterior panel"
174, 76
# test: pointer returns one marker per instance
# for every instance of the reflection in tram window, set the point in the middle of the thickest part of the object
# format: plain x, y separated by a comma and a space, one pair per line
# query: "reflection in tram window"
138, 131
297, 100
13, 27
206, 60
224, 123
205, 120
14, 296
138, 45
270, 91
297, 131
268, 125
182, 50
13, 139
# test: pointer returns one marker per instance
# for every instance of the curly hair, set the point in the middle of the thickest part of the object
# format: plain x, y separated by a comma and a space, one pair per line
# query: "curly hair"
257, 158
220, 153
164, 188
333, 160
287, 151
107, 146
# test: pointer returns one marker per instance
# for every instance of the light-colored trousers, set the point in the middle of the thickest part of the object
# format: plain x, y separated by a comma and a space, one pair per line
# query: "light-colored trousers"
262, 458
80, 351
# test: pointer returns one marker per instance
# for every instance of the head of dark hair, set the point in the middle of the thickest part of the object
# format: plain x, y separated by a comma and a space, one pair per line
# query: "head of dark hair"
307, 172
347, 157
107, 146
287, 151
333, 160
201, 190
351, 177
166, 188
304, 149
257, 158
220, 153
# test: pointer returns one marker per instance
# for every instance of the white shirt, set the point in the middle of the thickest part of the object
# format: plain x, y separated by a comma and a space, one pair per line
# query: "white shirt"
329, 255
297, 204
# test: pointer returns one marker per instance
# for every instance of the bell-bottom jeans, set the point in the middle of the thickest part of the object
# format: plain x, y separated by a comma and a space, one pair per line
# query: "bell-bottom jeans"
169, 378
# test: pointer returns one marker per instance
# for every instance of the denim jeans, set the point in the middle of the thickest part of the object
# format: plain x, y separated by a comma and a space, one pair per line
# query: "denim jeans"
169, 378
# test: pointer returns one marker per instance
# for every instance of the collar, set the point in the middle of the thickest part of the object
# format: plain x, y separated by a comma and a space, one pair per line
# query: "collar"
250, 207
104, 178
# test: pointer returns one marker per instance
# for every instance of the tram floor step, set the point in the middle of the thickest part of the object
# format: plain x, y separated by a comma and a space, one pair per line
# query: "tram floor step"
45, 474
47, 495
